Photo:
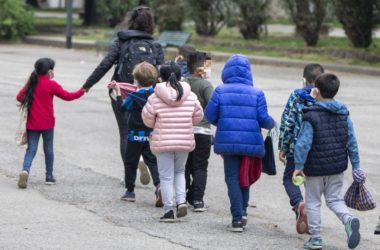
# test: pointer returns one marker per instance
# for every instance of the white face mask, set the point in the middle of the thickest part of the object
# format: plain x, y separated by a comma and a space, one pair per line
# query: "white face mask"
207, 73
314, 93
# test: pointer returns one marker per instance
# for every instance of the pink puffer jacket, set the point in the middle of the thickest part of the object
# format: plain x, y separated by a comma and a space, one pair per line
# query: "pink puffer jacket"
172, 121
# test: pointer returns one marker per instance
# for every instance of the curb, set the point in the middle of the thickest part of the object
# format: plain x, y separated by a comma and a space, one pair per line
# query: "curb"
217, 56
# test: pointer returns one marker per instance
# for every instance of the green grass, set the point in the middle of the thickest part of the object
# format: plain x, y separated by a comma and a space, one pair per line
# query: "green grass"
56, 22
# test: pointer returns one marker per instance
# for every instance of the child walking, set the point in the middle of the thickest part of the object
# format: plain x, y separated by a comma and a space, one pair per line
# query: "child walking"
239, 110
290, 125
325, 142
197, 161
37, 97
172, 111
138, 134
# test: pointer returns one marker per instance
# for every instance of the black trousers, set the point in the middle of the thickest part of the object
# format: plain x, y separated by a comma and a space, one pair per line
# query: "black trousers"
196, 168
122, 124
132, 157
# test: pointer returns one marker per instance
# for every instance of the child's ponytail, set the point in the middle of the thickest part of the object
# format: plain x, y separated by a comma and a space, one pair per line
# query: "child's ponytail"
171, 73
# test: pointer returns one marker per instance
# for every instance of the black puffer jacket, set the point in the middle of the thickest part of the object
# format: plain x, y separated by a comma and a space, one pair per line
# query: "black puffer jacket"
113, 54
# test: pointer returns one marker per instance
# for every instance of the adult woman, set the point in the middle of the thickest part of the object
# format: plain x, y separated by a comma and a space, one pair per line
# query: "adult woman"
239, 111
140, 28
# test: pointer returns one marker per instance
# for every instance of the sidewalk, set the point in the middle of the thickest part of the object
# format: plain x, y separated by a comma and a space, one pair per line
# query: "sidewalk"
29, 221
59, 41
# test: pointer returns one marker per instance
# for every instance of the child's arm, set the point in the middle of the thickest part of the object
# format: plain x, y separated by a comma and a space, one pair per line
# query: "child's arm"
207, 91
20, 94
283, 145
121, 105
212, 108
264, 119
353, 150
64, 94
148, 113
198, 113
303, 145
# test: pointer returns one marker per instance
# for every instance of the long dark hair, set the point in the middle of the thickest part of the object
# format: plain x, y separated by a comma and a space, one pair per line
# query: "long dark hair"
41, 67
141, 18
171, 73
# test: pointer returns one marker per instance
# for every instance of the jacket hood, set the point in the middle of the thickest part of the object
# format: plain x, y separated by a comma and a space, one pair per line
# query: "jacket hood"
305, 94
128, 34
237, 70
169, 95
334, 107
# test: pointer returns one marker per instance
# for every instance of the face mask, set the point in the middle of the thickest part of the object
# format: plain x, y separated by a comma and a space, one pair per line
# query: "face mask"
207, 73
314, 93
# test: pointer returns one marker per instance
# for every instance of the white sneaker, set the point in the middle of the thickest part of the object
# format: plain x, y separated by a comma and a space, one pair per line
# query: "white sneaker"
23, 179
144, 173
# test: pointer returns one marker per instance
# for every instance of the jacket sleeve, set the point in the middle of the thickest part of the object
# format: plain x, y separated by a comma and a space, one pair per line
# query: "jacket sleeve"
303, 145
198, 113
353, 150
148, 113
20, 94
212, 108
105, 65
123, 106
264, 119
58, 91
207, 92
284, 117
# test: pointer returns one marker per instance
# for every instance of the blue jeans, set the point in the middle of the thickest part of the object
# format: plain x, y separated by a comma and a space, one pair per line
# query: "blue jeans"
238, 196
293, 191
33, 138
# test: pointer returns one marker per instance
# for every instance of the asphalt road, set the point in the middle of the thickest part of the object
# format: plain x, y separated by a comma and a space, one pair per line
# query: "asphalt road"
83, 210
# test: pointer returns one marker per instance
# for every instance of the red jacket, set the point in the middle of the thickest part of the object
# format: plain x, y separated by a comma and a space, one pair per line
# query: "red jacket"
41, 112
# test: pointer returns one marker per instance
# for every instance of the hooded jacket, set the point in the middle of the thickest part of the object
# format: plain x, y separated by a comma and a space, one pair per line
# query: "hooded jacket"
317, 135
291, 119
239, 111
113, 55
172, 121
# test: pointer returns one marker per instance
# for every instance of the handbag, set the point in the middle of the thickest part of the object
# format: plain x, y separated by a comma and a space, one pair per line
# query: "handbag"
250, 170
357, 196
21, 133
269, 163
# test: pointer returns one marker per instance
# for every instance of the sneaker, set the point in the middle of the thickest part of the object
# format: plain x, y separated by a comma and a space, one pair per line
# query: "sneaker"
23, 179
377, 229
301, 225
158, 197
129, 196
168, 217
50, 180
352, 231
181, 210
235, 226
313, 243
244, 219
144, 173
199, 206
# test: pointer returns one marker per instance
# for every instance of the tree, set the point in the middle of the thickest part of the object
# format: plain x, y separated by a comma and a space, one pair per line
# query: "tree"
169, 14
16, 20
114, 11
253, 14
357, 20
208, 15
308, 16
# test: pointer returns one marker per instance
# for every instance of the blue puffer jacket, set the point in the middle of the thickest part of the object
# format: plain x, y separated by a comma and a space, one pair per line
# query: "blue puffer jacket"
239, 110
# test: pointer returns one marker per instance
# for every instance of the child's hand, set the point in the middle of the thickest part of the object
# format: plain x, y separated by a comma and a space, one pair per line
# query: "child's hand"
297, 172
282, 156
117, 89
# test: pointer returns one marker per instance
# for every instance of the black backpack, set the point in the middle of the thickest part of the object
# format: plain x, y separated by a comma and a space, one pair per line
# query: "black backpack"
133, 52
